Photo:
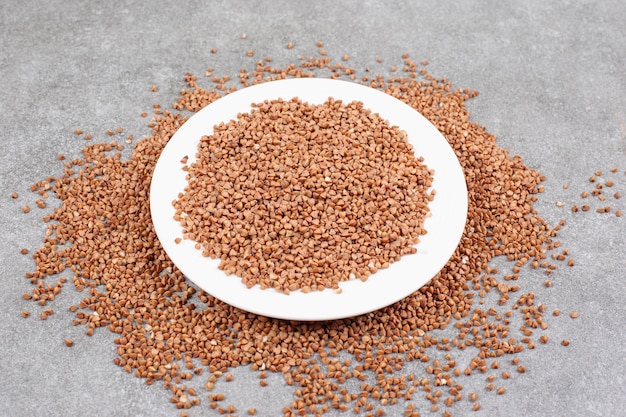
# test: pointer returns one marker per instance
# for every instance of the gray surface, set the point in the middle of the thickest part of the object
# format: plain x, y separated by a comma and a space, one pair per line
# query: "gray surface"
553, 90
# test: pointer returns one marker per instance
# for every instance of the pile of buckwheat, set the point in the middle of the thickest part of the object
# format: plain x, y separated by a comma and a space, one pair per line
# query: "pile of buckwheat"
101, 238
297, 196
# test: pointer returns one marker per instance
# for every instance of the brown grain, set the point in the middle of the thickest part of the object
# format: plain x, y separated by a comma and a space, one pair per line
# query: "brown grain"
280, 201
101, 233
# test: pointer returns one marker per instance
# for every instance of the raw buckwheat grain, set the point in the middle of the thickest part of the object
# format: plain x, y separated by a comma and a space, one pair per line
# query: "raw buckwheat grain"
296, 196
168, 332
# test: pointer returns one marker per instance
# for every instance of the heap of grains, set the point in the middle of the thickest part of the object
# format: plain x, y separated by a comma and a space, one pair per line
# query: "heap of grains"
101, 236
297, 196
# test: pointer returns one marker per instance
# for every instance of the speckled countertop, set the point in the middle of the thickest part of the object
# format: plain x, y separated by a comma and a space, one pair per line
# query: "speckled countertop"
552, 90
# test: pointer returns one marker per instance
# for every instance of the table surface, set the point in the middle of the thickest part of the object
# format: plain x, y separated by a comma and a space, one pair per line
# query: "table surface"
552, 90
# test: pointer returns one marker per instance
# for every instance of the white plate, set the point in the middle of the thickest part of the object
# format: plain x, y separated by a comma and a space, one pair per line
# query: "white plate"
444, 226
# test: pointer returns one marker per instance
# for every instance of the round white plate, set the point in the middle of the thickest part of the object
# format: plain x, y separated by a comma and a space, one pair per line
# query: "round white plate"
444, 226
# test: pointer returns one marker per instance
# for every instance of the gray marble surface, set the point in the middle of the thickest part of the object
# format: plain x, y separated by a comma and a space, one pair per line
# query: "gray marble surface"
552, 83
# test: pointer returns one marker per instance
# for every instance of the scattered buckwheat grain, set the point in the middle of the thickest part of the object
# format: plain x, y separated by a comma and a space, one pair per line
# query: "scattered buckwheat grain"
165, 330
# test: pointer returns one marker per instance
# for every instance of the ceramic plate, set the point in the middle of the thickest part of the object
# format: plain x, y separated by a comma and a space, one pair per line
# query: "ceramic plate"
444, 226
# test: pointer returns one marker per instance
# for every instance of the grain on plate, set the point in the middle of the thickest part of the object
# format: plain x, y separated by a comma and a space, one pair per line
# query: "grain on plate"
300, 196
